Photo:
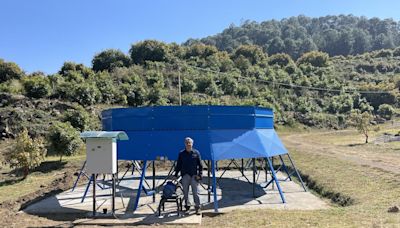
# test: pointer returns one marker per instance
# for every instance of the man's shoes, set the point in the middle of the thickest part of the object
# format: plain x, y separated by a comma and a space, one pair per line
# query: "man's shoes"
197, 210
187, 208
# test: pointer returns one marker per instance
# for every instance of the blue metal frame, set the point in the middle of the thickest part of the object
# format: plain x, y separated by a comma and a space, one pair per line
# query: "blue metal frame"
142, 176
220, 133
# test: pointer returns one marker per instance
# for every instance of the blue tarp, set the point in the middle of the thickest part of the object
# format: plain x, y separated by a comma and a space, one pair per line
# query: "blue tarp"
219, 132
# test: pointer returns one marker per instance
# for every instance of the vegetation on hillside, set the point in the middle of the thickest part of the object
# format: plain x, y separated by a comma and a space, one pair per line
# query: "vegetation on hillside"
335, 35
306, 86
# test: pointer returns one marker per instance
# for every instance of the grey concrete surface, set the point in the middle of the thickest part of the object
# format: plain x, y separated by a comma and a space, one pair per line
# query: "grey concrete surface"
234, 192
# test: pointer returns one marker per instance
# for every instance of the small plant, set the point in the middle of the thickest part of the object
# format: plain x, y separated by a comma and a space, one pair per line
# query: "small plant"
63, 139
27, 153
362, 121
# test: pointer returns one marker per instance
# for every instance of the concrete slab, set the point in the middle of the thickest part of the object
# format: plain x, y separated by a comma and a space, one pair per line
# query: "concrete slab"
233, 192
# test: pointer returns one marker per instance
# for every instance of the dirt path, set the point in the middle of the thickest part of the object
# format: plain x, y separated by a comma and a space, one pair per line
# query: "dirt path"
358, 154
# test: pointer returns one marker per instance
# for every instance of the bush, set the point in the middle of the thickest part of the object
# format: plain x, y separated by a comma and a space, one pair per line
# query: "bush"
78, 118
188, 85
13, 86
63, 139
243, 91
9, 70
386, 111
37, 86
383, 53
27, 153
280, 59
315, 58
86, 94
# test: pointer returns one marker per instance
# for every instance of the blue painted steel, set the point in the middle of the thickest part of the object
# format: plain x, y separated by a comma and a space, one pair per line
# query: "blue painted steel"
227, 132
219, 132
298, 175
139, 191
87, 188
276, 180
214, 188
79, 176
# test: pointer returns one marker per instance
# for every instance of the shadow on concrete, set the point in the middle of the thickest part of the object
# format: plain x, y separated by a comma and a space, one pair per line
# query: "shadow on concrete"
235, 193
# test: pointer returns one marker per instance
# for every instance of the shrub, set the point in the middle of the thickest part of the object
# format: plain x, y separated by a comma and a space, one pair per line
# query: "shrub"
37, 86
86, 94
188, 85
315, 58
9, 70
386, 111
78, 118
63, 139
27, 153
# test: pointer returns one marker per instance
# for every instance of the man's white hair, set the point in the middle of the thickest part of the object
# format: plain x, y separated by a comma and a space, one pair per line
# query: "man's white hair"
189, 139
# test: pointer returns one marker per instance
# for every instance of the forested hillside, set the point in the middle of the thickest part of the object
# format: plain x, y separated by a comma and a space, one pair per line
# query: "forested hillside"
311, 88
335, 35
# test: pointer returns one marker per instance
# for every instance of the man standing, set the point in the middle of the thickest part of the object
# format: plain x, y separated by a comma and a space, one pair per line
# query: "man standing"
189, 164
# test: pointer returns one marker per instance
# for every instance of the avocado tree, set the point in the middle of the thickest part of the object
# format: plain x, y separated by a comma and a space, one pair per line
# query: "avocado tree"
362, 121
26, 153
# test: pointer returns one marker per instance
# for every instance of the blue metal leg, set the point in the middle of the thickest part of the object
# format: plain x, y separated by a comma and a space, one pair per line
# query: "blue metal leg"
87, 188
79, 176
214, 186
276, 180
298, 175
142, 176
285, 168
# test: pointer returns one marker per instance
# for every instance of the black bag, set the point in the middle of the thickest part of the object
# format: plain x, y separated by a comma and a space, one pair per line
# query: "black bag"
169, 190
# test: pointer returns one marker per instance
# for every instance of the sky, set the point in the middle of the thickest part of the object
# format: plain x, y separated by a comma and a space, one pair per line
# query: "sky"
41, 35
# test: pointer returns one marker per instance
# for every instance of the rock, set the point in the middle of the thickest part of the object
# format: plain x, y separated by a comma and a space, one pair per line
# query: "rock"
393, 209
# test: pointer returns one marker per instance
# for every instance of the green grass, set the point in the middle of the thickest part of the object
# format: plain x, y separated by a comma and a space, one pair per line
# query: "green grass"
372, 189
16, 187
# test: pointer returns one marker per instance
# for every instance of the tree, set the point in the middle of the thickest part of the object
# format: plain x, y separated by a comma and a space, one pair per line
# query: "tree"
253, 53
26, 153
9, 70
148, 50
86, 94
74, 67
63, 139
386, 111
280, 59
37, 86
315, 58
79, 118
109, 60
362, 121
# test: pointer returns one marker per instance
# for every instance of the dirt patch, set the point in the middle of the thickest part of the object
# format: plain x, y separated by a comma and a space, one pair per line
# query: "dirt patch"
10, 210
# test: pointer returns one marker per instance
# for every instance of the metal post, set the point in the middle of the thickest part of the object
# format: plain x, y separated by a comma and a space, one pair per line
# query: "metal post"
298, 175
79, 176
180, 87
142, 176
154, 181
214, 186
266, 170
208, 181
254, 177
87, 189
242, 168
272, 168
113, 194
284, 167
94, 194
276, 180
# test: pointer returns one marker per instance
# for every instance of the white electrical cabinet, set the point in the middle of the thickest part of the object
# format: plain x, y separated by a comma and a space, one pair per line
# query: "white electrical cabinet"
101, 155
